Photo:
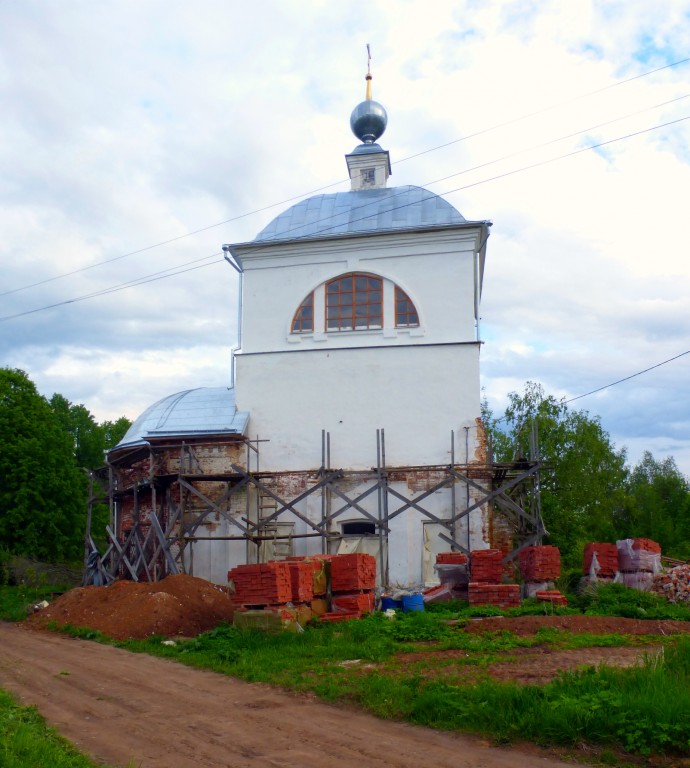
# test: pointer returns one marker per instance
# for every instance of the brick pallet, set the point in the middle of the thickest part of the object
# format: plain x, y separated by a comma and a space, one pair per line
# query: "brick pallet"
320, 565
353, 573
500, 595
540, 563
600, 560
638, 555
263, 584
486, 565
301, 580
359, 602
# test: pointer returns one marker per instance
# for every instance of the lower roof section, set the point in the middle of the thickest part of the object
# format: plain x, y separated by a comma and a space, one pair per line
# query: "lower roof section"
208, 411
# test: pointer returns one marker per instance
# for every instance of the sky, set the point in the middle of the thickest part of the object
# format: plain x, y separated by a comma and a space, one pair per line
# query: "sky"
137, 137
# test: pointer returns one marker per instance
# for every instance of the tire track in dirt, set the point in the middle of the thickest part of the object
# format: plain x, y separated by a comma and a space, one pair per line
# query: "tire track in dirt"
119, 706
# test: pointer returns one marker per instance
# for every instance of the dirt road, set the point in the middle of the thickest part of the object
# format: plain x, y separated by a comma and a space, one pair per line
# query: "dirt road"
118, 706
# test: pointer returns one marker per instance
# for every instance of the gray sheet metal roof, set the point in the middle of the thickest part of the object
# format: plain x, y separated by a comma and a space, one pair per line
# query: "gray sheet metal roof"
192, 413
371, 210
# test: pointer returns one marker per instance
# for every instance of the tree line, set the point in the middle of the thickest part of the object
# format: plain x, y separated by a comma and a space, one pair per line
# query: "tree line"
45, 447
588, 490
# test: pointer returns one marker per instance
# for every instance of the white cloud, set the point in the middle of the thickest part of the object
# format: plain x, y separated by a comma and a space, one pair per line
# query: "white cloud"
128, 124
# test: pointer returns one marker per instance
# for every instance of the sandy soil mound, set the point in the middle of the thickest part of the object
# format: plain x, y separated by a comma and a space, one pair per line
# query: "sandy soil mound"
179, 605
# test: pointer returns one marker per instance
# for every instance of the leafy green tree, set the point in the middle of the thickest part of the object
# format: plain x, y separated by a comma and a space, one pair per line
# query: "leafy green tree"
583, 485
90, 441
41, 491
659, 506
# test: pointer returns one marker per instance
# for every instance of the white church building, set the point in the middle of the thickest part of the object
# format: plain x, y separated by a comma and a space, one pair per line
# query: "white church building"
352, 422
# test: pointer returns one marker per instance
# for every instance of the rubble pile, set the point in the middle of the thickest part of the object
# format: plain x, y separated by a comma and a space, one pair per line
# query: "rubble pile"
674, 584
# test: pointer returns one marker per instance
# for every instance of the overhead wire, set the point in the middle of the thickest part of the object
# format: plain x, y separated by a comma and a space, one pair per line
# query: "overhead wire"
171, 272
153, 277
336, 183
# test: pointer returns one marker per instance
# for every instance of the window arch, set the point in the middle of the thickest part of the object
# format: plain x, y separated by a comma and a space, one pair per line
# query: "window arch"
303, 320
355, 301
405, 311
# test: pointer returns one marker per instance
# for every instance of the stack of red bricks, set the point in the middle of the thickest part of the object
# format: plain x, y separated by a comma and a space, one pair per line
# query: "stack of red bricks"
553, 596
600, 561
486, 569
486, 565
638, 561
262, 584
319, 569
451, 558
539, 564
500, 595
301, 581
353, 581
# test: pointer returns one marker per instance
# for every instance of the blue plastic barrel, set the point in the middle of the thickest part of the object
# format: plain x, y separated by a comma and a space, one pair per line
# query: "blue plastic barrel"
412, 603
389, 602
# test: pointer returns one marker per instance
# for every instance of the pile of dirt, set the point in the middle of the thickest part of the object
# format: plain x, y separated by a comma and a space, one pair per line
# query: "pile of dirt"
578, 624
179, 605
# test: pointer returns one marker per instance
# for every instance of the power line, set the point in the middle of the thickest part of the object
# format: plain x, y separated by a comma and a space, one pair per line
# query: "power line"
614, 383
336, 183
156, 276
515, 120
122, 286
516, 170
626, 378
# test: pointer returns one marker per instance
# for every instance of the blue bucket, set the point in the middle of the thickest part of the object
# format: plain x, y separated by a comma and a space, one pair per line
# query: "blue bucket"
412, 603
388, 603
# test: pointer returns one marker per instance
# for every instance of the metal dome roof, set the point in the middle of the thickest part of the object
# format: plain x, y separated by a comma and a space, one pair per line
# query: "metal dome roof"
192, 413
374, 210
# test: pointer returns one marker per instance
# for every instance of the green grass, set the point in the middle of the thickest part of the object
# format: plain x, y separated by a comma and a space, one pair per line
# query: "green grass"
16, 602
639, 711
27, 742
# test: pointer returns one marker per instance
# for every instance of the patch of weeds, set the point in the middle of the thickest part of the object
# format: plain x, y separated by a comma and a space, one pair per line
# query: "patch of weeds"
618, 600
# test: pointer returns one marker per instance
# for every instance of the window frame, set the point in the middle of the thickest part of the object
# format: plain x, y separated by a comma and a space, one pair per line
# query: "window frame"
360, 321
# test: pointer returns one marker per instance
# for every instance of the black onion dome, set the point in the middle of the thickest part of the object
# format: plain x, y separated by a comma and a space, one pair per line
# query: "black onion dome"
368, 121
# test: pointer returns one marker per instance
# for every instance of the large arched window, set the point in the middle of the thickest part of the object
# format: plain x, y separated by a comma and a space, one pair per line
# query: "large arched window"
355, 301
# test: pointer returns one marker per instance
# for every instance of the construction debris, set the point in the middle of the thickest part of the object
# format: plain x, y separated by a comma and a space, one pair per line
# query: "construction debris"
674, 585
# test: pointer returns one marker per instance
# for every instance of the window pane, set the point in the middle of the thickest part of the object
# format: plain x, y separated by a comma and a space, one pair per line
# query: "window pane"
361, 282
374, 283
346, 284
375, 296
